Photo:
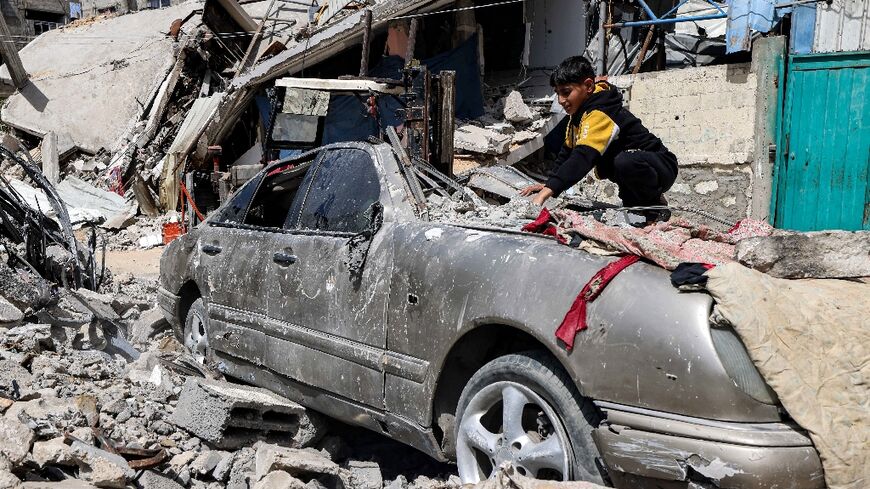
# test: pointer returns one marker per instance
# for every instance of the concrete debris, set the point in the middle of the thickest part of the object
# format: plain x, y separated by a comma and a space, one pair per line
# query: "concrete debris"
53, 452
152, 480
9, 314
15, 440
362, 475
101, 468
295, 461
824, 254
231, 416
88, 203
474, 139
515, 109
279, 480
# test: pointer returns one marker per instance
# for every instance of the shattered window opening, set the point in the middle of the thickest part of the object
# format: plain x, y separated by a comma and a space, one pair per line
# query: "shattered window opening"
343, 188
276, 195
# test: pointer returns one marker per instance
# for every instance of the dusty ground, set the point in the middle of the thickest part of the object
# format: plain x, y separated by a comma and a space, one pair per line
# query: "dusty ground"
144, 263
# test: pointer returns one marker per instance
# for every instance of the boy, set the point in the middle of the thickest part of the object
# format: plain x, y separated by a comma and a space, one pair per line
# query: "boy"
602, 134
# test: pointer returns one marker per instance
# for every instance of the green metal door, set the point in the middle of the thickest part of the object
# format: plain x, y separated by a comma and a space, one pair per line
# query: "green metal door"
822, 177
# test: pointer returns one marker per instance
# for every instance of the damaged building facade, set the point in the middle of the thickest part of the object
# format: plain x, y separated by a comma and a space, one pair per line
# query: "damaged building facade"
203, 106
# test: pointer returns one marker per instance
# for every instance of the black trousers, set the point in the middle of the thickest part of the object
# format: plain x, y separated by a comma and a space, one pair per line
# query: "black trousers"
643, 176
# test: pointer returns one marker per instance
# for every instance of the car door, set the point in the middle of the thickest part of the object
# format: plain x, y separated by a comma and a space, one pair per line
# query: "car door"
236, 254
329, 282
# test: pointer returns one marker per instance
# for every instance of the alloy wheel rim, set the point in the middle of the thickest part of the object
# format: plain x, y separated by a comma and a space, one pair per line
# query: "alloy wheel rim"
196, 340
508, 422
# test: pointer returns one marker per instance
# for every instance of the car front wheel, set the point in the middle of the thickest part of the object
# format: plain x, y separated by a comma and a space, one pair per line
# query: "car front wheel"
195, 331
523, 409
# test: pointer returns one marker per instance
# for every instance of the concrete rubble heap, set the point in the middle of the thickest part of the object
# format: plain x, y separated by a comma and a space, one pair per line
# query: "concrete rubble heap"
79, 404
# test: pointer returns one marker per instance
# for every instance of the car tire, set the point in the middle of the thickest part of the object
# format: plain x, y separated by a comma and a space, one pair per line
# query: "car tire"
195, 332
553, 439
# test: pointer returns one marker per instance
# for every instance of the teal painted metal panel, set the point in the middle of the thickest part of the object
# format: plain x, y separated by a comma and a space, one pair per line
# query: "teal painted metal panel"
823, 172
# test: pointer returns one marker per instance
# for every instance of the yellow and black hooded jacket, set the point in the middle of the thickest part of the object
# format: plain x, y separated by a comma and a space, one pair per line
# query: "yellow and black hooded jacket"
601, 129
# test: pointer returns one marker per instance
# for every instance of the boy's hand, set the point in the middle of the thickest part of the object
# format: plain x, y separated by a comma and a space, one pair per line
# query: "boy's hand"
544, 194
531, 189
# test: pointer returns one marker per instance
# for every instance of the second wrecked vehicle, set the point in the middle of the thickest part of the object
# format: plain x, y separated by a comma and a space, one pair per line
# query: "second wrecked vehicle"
324, 279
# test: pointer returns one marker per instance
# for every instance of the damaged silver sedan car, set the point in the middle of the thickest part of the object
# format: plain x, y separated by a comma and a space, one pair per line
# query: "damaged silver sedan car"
324, 280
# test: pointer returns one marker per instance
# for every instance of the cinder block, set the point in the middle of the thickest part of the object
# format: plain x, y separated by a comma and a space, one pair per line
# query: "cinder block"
230, 416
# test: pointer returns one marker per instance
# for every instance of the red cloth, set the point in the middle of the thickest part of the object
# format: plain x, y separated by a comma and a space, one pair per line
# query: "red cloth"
575, 319
544, 224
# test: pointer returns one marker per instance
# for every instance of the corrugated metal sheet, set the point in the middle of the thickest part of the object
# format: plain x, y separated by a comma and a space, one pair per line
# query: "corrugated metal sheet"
842, 26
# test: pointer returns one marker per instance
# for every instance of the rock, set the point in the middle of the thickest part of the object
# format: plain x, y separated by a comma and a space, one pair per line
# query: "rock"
64, 484
312, 427
279, 480
87, 405
152, 480
207, 461
7, 478
242, 468
101, 468
150, 241
515, 109
523, 137
222, 469
475, 139
149, 324
208, 408
24, 290
67, 312
502, 128
5, 404
54, 452
400, 483
293, 460
15, 440
31, 337
10, 315
16, 382
181, 460
101, 303
823, 254
362, 475
90, 337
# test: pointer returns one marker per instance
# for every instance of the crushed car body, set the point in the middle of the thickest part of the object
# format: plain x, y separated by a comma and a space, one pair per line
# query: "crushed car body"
328, 280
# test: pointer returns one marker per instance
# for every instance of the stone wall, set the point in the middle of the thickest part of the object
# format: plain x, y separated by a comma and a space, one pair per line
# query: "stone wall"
707, 117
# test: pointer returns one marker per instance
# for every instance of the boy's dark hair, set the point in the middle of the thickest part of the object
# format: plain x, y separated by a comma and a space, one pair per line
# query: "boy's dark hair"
572, 70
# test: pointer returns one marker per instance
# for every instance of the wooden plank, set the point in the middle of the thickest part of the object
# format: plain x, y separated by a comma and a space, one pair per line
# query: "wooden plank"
339, 85
9, 52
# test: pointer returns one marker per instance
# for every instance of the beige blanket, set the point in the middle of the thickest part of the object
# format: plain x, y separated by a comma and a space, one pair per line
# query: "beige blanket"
810, 339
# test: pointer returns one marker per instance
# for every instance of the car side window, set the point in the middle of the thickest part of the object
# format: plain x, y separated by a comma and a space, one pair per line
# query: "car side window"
275, 195
343, 187
234, 211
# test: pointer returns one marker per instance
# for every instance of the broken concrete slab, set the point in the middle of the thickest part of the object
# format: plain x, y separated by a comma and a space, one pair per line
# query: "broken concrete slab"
53, 452
153, 480
230, 416
149, 324
823, 254
16, 382
101, 468
359, 474
515, 109
295, 461
15, 440
89, 203
10, 315
67, 61
475, 139
50, 158
25, 290
279, 480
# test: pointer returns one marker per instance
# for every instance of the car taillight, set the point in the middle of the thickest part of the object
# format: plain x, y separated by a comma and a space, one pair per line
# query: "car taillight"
739, 366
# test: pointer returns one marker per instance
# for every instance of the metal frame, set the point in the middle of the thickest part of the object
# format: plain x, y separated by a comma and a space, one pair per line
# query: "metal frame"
653, 19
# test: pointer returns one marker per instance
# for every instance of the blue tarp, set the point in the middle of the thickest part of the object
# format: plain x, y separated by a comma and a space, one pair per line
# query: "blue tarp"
348, 119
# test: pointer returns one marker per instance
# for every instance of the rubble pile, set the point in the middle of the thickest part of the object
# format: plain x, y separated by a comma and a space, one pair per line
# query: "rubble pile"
79, 403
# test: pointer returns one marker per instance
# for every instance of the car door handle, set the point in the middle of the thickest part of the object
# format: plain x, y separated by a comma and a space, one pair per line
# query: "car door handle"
210, 249
284, 258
